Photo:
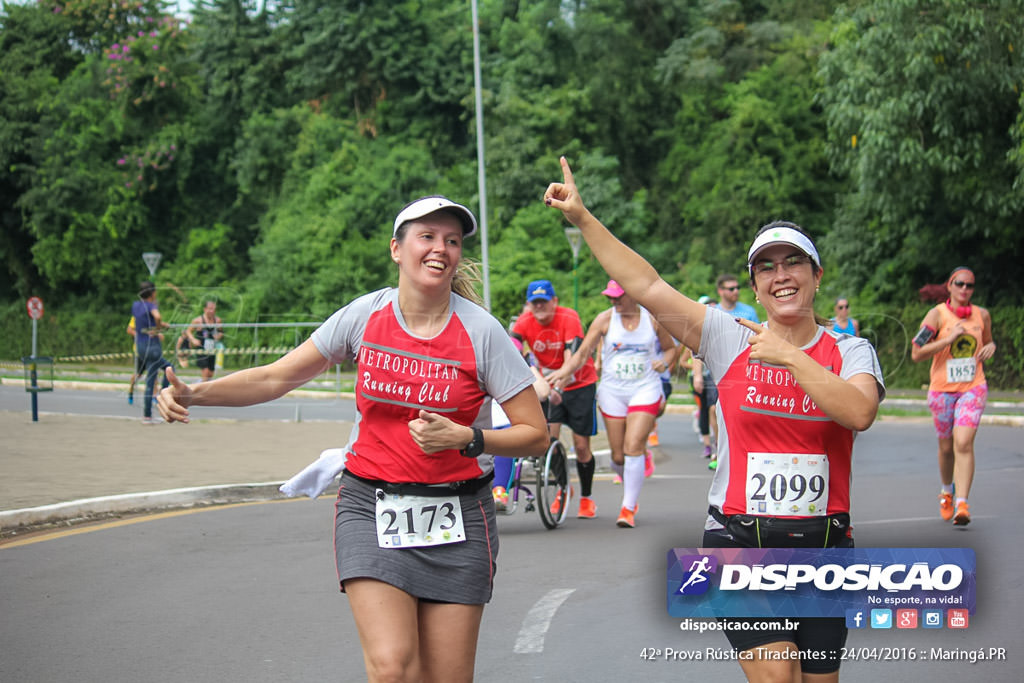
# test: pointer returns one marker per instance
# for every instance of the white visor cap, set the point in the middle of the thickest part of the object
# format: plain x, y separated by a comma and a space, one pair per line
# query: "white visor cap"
783, 235
425, 206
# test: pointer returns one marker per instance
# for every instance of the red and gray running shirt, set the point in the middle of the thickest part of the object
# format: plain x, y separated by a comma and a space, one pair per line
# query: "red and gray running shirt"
453, 374
771, 434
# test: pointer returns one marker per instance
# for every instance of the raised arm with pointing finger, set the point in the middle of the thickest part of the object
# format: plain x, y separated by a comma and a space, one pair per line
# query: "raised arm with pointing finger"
791, 396
853, 403
682, 317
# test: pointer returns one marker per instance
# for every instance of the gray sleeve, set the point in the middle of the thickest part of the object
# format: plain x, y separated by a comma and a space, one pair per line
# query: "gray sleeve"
859, 357
721, 340
339, 337
501, 369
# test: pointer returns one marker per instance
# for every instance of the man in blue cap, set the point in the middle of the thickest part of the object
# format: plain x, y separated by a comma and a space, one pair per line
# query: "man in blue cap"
553, 333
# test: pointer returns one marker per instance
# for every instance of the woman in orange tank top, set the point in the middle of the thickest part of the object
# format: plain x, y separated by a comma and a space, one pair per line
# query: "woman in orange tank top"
957, 336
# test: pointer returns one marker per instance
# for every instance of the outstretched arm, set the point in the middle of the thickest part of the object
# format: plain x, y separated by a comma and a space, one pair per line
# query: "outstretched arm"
682, 317
245, 387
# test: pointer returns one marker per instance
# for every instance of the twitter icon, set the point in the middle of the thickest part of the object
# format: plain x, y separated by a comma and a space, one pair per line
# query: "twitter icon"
881, 618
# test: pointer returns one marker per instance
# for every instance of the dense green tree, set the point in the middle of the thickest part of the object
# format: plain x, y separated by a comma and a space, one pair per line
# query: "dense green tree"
263, 147
327, 241
923, 100
98, 192
34, 57
746, 146
240, 75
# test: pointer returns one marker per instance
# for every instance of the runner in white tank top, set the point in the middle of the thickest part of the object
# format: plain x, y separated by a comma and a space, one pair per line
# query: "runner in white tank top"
629, 394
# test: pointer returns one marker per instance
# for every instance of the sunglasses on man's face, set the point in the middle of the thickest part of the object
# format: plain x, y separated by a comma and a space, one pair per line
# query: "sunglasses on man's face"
961, 283
734, 288
843, 306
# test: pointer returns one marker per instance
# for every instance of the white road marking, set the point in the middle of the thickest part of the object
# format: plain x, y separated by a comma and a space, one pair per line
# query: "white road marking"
907, 520
538, 620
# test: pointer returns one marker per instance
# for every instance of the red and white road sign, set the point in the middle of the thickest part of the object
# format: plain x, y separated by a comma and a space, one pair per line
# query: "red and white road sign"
35, 307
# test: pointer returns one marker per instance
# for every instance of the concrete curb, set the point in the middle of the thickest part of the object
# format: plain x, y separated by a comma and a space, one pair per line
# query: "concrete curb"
26, 519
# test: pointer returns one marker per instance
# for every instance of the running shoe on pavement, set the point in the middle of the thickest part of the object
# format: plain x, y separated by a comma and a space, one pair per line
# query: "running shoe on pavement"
588, 509
963, 514
626, 518
713, 464
617, 479
556, 507
131, 398
946, 506
648, 464
652, 438
707, 451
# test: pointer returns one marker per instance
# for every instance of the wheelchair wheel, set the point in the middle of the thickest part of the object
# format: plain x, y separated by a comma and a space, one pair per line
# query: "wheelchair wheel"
553, 485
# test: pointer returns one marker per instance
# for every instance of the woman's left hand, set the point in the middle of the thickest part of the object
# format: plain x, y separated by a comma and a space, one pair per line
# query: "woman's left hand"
765, 345
433, 432
986, 351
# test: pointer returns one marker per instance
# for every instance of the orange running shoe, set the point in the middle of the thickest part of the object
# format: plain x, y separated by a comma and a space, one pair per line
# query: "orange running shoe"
588, 509
946, 506
963, 514
626, 518
556, 508
652, 438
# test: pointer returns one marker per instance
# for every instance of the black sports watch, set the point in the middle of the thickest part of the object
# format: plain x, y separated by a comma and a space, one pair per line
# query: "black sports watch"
476, 446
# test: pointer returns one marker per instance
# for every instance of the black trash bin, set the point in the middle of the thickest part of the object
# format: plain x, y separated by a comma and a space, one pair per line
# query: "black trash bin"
38, 373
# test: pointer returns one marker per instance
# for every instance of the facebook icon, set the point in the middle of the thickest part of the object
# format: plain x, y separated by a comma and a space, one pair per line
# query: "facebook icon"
855, 618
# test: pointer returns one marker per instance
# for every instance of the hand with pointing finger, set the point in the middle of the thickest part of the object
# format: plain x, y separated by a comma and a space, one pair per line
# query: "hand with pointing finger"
565, 197
766, 345
173, 401
433, 432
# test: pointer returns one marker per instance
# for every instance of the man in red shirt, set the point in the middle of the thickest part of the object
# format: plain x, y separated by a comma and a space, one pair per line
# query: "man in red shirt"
553, 333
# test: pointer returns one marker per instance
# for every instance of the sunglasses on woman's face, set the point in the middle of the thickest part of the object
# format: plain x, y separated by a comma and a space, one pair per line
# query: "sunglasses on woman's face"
961, 283
842, 306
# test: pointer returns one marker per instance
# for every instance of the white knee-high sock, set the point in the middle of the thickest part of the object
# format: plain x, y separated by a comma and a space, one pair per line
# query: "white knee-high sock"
632, 480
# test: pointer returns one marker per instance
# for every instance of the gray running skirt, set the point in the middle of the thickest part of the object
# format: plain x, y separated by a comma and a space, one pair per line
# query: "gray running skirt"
457, 572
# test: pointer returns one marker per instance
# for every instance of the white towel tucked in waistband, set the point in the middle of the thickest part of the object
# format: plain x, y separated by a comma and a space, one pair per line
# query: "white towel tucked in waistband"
317, 476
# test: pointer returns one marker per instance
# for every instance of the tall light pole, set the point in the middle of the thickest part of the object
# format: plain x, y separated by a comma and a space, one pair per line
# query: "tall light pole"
575, 237
481, 174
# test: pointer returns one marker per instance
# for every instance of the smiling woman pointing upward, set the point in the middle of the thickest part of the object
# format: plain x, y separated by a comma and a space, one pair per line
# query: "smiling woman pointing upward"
791, 397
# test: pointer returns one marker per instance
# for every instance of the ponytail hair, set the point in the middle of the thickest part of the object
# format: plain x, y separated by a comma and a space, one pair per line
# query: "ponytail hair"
466, 280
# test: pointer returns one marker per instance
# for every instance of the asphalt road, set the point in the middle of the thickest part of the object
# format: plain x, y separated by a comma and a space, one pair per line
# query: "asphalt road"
249, 593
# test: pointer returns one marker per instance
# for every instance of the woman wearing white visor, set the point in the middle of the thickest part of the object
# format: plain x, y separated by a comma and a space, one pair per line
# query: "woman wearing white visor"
789, 391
